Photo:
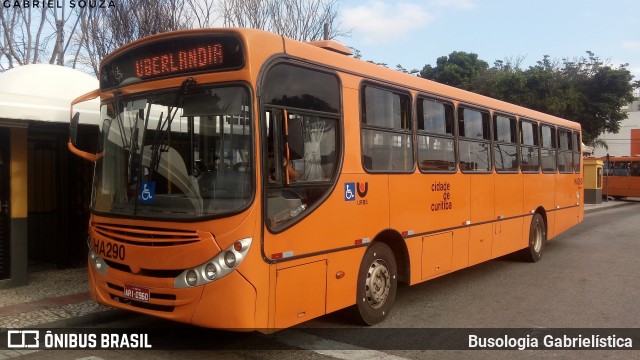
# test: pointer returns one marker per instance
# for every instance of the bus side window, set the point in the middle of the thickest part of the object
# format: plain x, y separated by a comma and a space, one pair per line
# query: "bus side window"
565, 154
548, 148
386, 133
315, 143
273, 119
475, 140
436, 146
506, 144
620, 168
577, 155
529, 151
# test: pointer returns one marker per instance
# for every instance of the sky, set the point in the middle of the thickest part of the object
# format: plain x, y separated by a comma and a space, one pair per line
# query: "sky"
414, 33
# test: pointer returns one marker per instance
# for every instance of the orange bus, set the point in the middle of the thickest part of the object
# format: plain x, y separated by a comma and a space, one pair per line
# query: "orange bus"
621, 176
249, 181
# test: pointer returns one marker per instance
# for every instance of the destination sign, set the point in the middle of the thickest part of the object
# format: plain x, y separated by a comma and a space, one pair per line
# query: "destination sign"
172, 57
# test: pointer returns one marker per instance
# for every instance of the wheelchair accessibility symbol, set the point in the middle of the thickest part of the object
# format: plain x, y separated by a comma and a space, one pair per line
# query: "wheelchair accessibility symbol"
349, 191
148, 192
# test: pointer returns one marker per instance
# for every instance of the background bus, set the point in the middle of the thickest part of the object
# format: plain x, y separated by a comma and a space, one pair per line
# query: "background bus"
621, 176
250, 181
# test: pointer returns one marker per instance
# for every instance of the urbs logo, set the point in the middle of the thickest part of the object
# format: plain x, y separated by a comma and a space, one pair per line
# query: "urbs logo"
361, 189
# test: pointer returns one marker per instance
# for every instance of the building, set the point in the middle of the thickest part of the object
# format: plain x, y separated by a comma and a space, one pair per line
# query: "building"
627, 141
44, 189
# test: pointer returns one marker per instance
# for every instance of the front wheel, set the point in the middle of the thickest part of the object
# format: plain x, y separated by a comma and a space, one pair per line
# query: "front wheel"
537, 239
377, 284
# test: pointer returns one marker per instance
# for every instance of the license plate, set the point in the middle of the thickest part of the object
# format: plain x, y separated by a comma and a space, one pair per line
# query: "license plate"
135, 292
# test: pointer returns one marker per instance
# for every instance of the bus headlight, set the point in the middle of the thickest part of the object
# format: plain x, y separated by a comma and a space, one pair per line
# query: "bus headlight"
210, 271
221, 265
229, 259
97, 262
191, 277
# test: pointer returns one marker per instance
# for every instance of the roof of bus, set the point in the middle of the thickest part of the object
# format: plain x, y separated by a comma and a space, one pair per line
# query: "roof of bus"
344, 63
428, 87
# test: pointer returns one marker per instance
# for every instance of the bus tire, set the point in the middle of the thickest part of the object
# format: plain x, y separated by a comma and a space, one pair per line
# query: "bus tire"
377, 284
537, 239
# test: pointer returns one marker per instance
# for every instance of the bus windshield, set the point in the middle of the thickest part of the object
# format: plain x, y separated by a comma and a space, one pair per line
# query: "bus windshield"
180, 153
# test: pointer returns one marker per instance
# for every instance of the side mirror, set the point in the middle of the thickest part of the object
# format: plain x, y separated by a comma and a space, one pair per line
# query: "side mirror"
73, 129
295, 139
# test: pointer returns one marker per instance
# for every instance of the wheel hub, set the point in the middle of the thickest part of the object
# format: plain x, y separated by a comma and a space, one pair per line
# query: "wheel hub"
378, 284
537, 237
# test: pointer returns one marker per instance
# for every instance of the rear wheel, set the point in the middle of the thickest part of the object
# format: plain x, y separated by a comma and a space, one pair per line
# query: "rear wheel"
377, 284
537, 239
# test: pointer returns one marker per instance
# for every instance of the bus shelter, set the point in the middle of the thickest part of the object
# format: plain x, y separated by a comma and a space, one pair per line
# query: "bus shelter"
44, 190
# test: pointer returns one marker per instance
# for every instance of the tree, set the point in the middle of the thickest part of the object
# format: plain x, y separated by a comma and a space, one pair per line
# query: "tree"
23, 41
606, 92
34, 35
505, 81
62, 39
81, 37
104, 31
201, 14
299, 20
401, 69
459, 69
585, 89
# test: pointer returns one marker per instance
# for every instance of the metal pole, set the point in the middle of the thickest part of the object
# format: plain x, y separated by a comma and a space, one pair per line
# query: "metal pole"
606, 179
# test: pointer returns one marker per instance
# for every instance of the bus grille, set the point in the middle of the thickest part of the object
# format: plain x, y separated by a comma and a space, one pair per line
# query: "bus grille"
143, 236
166, 274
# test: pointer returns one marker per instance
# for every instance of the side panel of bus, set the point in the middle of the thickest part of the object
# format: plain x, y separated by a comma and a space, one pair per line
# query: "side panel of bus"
509, 200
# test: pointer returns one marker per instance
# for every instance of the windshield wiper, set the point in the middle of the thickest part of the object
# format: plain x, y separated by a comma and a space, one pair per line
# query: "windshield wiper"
118, 110
164, 127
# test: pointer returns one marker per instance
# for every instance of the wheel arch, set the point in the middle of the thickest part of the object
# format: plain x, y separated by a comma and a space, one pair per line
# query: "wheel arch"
540, 210
396, 242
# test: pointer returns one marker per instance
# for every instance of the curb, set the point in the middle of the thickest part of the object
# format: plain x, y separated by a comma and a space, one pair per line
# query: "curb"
602, 208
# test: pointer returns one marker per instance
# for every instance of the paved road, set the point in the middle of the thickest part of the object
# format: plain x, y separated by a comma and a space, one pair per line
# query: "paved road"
588, 278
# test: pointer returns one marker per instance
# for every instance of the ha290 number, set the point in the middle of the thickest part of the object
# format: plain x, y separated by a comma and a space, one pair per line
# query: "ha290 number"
109, 250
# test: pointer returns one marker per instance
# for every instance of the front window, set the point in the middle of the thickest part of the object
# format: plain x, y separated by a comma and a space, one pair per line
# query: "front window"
180, 153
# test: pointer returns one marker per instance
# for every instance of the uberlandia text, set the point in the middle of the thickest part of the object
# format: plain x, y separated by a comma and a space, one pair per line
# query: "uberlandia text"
550, 342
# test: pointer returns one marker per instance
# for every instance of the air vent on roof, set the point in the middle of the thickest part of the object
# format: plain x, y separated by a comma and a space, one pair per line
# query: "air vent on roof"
332, 45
